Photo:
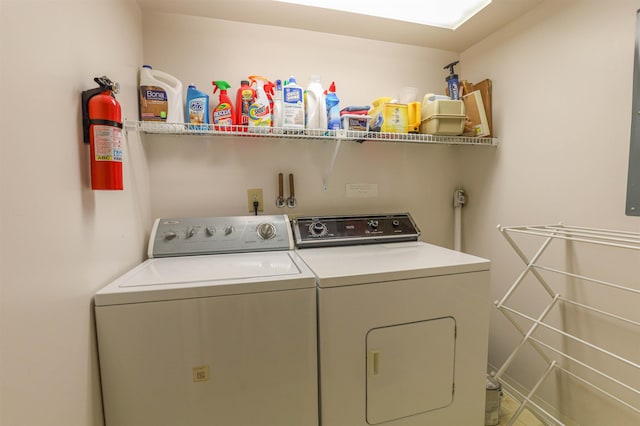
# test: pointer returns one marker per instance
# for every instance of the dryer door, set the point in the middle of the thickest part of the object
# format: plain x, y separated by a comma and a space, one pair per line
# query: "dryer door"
409, 369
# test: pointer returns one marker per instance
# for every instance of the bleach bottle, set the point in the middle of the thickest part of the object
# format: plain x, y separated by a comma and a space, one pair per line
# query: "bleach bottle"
333, 108
223, 117
259, 111
316, 107
197, 110
160, 96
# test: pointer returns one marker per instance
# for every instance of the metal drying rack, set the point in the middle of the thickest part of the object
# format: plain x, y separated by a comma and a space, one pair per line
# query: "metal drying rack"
607, 238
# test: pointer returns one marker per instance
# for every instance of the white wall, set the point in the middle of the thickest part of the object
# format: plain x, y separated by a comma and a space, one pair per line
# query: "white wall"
562, 79
61, 241
206, 176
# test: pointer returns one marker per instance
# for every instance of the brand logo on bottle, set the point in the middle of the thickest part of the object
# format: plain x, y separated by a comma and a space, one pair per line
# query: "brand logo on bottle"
155, 95
196, 105
292, 95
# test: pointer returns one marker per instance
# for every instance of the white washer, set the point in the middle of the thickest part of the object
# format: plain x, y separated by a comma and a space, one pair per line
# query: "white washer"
193, 338
403, 325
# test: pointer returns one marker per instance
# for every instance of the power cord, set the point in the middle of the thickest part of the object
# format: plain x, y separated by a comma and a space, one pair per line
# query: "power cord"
256, 204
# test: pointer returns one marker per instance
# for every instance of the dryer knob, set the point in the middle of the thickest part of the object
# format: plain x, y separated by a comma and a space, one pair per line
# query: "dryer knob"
170, 235
228, 230
266, 231
318, 228
210, 230
191, 232
373, 225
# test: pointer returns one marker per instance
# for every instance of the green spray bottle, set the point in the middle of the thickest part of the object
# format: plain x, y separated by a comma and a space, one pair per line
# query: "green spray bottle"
222, 116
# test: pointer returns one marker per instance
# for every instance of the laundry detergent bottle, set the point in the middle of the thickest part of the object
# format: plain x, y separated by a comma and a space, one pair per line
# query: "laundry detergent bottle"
259, 111
316, 107
160, 96
293, 105
223, 116
197, 109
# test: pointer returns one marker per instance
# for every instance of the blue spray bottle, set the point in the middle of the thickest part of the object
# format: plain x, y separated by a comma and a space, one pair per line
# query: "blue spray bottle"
452, 81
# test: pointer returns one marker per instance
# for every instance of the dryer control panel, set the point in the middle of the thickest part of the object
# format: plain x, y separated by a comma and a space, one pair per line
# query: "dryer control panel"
326, 231
213, 235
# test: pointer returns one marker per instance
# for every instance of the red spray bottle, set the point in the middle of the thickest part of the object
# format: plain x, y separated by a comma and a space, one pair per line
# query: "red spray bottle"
223, 116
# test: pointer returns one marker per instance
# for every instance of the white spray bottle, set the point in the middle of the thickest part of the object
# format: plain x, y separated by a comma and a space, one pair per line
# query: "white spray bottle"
260, 111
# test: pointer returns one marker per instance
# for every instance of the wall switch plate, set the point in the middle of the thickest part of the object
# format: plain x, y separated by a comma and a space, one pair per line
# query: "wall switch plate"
255, 194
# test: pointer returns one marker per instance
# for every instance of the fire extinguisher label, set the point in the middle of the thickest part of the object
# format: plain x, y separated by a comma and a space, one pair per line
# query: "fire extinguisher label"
107, 142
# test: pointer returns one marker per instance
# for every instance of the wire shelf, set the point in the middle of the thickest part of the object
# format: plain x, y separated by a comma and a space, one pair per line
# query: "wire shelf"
151, 127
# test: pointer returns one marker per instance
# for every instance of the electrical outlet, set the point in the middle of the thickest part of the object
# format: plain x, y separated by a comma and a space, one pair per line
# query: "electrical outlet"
255, 194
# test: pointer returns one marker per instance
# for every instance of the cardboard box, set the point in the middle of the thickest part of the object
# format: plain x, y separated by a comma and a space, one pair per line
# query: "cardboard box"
478, 125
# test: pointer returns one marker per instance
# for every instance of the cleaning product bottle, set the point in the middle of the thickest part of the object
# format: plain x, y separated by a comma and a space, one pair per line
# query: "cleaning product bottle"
259, 111
223, 117
277, 105
316, 107
160, 96
333, 108
269, 89
197, 110
452, 81
293, 105
245, 97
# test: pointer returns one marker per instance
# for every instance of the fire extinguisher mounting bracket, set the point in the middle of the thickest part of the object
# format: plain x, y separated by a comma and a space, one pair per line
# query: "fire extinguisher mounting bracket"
105, 84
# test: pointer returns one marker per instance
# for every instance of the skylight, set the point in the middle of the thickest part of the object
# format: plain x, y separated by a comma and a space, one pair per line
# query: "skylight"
437, 13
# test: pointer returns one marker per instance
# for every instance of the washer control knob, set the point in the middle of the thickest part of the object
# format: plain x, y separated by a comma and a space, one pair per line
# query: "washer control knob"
170, 235
318, 228
373, 225
209, 231
191, 232
266, 231
228, 229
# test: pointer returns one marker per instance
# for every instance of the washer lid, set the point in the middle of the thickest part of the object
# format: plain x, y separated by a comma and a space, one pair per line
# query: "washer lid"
351, 265
205, 276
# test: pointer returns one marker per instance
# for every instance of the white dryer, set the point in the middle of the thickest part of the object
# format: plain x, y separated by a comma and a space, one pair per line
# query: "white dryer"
403, 325
218, 327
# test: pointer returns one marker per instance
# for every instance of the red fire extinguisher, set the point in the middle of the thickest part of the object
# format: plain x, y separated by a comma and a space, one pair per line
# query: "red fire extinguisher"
102, 128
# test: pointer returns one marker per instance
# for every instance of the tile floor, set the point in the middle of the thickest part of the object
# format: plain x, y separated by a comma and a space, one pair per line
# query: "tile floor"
508, 408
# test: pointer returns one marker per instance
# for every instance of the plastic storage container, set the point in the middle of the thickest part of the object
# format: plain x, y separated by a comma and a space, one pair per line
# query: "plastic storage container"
444, 117
358, 122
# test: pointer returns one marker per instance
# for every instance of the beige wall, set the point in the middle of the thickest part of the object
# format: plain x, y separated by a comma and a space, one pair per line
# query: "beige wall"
207, 176
61, 241
562, 79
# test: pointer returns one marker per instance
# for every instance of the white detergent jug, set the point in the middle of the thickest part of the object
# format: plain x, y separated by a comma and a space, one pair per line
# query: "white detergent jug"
160, 96
316, 107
